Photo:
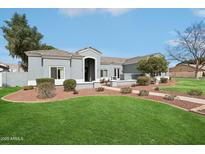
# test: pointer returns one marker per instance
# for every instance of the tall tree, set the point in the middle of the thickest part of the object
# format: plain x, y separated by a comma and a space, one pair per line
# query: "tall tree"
22, 37
46, 47
189, 47
153, 65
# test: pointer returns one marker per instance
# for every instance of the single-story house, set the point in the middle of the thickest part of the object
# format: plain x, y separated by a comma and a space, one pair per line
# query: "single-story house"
85, 65
185, 70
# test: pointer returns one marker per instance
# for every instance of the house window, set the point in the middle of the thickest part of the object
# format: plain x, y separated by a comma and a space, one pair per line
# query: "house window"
117, 72
103, 73
57, 72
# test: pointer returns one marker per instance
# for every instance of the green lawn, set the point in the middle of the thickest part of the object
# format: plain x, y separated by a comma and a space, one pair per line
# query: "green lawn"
185, 84
99, 120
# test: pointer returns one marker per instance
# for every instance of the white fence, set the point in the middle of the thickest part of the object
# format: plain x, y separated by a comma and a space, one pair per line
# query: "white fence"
0, 79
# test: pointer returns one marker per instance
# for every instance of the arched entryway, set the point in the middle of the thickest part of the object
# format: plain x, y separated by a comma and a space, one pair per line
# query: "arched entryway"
89, 69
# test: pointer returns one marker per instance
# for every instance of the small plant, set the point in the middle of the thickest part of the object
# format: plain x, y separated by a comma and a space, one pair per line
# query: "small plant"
126, 90
153, 80
169, 97
195, 92
133, 85
144, 93
99, 89
75, 92
143, 80
164, 80
46, 90
27, 87
156, 88
69, 85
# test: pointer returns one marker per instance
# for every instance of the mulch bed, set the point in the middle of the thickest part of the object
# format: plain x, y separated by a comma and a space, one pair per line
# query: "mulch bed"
31, 96
171, 83
179, 103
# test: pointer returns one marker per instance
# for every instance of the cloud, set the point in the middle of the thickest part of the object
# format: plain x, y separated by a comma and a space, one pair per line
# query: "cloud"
78, 12
173, 43
199, 12
116, 12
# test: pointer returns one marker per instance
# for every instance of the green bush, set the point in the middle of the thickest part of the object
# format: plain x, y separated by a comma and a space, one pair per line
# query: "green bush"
153, 80
195, 92
156, 88
46, 90
144, 93
143, 80
27, 87
99, 89
164, 80
69, 85
169, 97
42, 80
126, 90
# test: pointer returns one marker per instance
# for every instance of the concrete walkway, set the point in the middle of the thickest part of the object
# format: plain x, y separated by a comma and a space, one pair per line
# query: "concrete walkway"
184, 98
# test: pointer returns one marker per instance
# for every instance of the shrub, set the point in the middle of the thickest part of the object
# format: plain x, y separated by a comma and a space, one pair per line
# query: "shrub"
156, 88
126, 90
153, 80
27, 87
169, 97
42, 80
99, 89
143, 80
69, 85
144, 93
163, 80
195, 92
75, 91
46, 90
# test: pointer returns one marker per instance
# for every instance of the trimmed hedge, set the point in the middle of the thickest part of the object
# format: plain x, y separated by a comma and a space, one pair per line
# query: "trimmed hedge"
144, 93
169, 97
126, 90
46, 90
69, 85
42, 80
164, 80
99, 89
27, 87
143, 80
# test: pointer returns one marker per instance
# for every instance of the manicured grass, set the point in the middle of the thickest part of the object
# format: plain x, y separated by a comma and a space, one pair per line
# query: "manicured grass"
185, 84
99, 120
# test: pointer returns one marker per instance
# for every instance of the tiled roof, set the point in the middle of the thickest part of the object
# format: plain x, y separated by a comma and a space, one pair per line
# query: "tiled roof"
4, 65
138, 58
89, 48
112, 60
52, 53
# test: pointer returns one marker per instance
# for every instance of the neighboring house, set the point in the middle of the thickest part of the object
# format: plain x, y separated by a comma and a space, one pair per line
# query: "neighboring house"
185, 70
4, 67
15, 68
10, 67
85, 65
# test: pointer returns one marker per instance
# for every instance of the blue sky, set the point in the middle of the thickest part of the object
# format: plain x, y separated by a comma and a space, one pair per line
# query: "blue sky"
115, 32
